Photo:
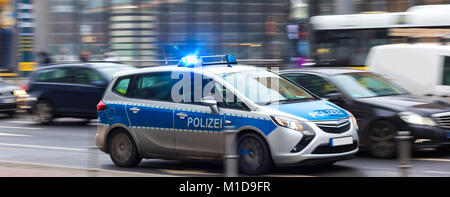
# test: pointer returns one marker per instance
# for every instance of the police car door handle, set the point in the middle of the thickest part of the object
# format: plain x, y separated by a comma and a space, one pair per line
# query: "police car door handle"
135, 110
182, 115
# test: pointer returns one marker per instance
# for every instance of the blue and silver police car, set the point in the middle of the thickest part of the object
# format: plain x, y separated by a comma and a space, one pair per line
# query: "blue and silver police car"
179, 112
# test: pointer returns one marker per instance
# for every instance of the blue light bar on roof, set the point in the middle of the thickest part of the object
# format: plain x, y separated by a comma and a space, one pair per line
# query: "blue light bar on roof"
192, 61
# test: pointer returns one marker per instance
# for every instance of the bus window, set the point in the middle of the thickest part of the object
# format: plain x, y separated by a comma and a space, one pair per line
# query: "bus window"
446, 71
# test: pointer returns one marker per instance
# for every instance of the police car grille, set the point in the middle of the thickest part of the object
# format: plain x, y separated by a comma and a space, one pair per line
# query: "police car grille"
442, 119
334, 127
327, 149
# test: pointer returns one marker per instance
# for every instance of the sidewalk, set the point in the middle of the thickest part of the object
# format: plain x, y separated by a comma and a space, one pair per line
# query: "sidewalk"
17, 169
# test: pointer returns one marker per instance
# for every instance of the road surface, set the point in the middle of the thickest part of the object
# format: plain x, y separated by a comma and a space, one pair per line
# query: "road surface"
30, 149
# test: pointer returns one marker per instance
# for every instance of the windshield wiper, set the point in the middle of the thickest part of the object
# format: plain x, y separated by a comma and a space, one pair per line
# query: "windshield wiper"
271, 102
289, 100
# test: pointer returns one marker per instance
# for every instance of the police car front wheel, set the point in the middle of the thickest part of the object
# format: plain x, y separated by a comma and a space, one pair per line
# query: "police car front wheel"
254, 154
123, 151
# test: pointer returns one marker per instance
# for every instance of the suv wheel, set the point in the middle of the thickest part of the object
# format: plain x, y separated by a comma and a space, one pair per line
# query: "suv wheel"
254, 155
123, 151
382, 139
43, 112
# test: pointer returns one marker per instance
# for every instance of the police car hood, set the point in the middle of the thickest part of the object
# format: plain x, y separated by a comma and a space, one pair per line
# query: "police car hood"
317, 110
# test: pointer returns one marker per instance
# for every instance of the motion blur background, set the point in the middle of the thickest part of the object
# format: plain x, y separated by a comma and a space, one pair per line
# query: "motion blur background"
150, 32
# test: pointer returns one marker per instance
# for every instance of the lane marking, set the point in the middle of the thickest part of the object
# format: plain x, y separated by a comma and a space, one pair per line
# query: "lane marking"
43, 147
188, 172
27, 128
438, 172
22, 122
13, 135
432, 159
288, 175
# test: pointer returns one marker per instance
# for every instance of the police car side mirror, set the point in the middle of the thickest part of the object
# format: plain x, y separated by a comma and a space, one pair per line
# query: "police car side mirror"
212, 103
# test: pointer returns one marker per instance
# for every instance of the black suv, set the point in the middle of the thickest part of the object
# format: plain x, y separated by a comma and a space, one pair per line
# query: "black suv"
380, 107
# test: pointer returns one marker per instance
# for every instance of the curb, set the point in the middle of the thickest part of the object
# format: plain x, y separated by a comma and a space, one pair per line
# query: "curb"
72, 171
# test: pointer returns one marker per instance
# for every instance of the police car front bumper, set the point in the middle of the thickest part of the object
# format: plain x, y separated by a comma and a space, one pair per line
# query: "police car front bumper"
319, 150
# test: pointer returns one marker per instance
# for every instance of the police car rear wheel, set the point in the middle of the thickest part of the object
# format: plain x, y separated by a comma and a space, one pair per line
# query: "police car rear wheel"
254, 155
123, 151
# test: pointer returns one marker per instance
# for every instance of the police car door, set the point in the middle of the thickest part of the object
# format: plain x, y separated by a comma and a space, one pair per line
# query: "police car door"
151, 113
198, 130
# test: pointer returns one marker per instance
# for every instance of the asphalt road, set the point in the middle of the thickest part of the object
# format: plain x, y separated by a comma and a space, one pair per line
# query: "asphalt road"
70, 143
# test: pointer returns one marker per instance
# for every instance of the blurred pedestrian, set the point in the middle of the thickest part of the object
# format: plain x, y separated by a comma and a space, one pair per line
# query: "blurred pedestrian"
84, 56
44, 58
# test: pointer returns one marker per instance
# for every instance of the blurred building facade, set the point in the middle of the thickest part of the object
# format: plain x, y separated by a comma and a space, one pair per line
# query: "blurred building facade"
157, 29
346, 39
331, 7
7, 21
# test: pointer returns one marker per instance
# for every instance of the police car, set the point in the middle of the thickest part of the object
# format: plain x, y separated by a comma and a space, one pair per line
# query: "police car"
179, 112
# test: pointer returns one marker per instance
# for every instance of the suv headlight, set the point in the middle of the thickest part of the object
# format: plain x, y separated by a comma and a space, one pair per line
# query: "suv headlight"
293, 124
417, 119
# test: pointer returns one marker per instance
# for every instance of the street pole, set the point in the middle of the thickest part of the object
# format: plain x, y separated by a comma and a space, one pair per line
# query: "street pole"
404, 151
92, 155
231, 157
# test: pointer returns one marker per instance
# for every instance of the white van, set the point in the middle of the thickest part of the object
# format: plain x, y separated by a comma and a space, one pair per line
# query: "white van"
421, 68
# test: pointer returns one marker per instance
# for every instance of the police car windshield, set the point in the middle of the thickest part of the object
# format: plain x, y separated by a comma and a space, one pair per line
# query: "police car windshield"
264, 87
364, 85
110, 71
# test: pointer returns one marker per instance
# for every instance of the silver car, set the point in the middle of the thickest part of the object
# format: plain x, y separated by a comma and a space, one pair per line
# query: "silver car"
179, 112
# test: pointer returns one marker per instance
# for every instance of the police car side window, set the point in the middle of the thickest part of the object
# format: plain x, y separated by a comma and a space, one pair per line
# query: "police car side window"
154, 86
122, 86
211, 88
228, 100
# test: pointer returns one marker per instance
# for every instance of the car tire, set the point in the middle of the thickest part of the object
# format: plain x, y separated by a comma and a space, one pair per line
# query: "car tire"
382, 139
122, 150
254, 154
43, 112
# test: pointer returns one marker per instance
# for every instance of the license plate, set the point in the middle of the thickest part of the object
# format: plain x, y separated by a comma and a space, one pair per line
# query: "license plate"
447, 135
341, 141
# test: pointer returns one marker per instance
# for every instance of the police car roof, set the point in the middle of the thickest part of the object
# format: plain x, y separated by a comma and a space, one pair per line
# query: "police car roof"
325, 70
218, 69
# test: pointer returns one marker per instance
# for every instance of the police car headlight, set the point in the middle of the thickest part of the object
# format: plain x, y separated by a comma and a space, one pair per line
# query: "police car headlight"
293, 124
417, 119
352, 117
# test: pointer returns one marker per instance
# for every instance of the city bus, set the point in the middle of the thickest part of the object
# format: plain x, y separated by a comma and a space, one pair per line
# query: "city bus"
345, 40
